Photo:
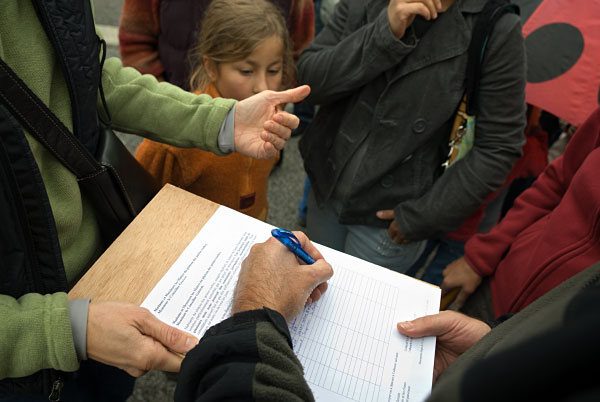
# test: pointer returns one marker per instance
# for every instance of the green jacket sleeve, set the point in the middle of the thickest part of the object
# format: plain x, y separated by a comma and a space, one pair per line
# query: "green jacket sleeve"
246, 357
35, 334
162, 112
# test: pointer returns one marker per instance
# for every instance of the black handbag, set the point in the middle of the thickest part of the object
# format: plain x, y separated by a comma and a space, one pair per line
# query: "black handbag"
113, 180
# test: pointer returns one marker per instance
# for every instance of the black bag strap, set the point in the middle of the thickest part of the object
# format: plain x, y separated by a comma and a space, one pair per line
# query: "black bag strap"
492, 11
43, 124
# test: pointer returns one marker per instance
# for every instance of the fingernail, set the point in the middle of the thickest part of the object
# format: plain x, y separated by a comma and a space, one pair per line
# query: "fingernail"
190, 343
407, 325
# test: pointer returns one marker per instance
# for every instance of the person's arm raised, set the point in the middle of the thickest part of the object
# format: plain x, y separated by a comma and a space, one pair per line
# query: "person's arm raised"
261, 128
347, 55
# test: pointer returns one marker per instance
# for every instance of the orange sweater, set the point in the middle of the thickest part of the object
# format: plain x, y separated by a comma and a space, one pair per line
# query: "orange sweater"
236, 181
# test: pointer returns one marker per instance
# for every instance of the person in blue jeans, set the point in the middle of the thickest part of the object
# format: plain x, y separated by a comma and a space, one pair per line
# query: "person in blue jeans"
388, 77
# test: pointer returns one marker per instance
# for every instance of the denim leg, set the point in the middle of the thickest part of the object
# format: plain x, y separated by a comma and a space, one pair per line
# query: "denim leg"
303, 205
431, 245
448, 251
322, 225
374, 245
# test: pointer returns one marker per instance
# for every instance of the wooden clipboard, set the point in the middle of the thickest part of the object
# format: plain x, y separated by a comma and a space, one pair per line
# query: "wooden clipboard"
135, 262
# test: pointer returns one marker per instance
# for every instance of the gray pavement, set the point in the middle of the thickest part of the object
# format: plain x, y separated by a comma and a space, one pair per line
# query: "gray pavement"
285, 191
108, 12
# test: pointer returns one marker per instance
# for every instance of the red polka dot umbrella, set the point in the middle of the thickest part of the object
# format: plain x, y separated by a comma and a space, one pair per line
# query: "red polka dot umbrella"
563, 51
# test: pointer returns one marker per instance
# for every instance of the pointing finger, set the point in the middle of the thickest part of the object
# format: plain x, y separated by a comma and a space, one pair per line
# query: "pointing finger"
293, 95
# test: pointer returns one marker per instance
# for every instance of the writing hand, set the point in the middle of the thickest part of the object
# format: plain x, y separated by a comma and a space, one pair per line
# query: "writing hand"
393, 230
455, 333
402, 13
458, 274
260, 128
272, 276
131, 338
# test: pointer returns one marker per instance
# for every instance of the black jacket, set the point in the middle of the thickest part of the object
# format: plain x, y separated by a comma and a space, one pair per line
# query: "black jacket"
30, 256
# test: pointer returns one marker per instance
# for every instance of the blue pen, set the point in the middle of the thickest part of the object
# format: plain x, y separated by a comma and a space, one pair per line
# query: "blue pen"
289, 240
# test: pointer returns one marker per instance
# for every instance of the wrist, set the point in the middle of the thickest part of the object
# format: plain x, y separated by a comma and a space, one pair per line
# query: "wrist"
242, 304
78, 315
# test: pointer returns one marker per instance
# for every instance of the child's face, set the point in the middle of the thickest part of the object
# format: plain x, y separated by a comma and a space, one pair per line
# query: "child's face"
260, 71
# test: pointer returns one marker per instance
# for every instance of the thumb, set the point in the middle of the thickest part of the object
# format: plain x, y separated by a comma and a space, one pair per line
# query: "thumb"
430, 325
171, 337
293, 95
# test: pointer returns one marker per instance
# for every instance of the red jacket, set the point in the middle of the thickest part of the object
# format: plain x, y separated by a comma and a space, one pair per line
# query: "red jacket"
551, 233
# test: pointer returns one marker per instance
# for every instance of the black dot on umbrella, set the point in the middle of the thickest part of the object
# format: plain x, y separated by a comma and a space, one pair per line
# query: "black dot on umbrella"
552, 50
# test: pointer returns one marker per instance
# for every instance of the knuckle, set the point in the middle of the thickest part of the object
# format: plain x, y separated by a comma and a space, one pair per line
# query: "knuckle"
300, 235
257, 247
143, 359
172, 335
144, 314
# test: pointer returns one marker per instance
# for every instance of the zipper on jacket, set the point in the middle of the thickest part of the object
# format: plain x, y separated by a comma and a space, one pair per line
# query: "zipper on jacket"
56, 388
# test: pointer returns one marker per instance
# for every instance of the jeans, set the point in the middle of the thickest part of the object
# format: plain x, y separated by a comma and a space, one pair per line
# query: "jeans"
447, 251
303, 205
95, 382
365, 242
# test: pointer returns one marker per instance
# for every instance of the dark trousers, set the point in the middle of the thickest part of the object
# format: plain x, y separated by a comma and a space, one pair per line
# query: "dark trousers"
95, 382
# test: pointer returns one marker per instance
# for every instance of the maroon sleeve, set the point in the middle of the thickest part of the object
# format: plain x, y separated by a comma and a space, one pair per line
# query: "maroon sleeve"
484, 252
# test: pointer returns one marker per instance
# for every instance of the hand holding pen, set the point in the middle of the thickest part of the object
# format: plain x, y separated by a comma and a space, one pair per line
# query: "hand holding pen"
289, 240
273, 277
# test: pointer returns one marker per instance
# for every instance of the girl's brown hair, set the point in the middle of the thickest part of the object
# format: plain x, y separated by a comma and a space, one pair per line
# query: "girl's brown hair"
231, 30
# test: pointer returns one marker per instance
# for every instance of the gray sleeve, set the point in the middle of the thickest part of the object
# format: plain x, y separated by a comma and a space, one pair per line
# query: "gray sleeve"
337, 63
225, 139
463, 187
78, 314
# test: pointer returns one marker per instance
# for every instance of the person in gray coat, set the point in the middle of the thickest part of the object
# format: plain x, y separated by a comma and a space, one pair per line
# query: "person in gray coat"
389, 75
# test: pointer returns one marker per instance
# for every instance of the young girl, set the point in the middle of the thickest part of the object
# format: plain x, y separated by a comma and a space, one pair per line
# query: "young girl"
243, 49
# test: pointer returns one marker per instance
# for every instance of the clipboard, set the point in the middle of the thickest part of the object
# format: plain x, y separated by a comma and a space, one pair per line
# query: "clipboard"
134, 263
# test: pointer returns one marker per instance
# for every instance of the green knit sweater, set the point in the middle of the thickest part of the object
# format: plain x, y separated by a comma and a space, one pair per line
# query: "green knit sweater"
35, 331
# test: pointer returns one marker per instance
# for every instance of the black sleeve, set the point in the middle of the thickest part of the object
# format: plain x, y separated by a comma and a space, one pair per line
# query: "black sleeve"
557, 365
248, 356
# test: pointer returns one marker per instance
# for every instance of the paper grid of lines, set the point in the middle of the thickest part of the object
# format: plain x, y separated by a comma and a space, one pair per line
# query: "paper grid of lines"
341, 342
347, 341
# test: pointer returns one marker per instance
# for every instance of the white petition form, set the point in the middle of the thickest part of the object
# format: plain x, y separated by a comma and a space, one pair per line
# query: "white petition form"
347, 341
